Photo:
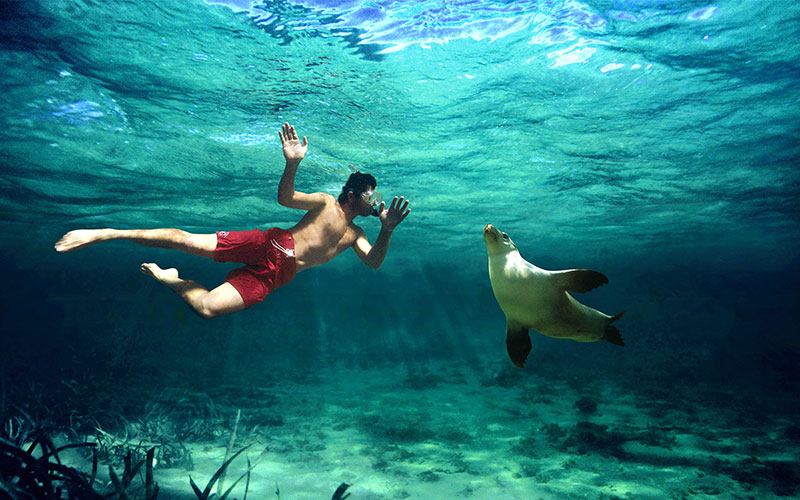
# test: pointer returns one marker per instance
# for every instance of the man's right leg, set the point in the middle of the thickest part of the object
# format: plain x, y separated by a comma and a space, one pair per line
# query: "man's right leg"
224, 299
218, 302
177, 239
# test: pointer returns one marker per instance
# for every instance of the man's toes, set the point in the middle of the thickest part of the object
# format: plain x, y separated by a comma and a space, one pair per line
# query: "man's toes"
62, 245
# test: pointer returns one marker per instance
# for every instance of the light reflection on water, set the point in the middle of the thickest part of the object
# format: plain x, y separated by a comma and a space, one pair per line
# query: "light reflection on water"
641, 120
395, 24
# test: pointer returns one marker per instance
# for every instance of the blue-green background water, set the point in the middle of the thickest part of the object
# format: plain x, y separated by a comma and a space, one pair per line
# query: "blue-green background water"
656, 141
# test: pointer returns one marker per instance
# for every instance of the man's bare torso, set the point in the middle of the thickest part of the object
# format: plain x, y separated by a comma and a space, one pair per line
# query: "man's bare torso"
322, 234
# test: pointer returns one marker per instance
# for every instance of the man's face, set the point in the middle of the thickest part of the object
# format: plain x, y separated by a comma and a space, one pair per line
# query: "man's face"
366, 201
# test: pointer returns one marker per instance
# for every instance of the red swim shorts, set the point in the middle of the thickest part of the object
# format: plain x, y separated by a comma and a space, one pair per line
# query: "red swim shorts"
269, 257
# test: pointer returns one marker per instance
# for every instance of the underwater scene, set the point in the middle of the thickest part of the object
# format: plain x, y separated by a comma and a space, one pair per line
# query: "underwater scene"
648, 148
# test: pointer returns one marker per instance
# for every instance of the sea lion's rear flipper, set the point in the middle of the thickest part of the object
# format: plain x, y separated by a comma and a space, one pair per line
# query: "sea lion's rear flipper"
518, 342
612, 334
579, 280
339, 493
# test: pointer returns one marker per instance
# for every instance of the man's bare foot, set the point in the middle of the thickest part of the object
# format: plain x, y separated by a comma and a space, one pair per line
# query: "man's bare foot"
167, 276
80, 238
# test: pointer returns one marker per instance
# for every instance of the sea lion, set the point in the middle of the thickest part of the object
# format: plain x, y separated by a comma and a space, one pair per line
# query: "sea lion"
534, 298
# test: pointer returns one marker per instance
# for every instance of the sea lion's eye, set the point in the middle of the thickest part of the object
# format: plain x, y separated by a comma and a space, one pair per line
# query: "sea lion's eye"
505, 236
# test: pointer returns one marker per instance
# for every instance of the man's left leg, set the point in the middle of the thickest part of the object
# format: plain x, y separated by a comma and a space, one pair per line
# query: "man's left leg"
207, 304
176, 239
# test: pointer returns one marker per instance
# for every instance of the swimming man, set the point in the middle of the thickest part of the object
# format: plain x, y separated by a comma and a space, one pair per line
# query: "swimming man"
274, 256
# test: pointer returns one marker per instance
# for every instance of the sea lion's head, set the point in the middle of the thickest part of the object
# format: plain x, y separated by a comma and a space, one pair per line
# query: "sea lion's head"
497, 242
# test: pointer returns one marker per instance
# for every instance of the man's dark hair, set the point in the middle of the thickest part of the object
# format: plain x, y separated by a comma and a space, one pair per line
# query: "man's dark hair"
357, 183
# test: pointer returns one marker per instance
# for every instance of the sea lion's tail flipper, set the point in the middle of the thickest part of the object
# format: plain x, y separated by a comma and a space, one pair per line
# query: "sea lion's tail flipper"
612, 334
580, 280
518, 342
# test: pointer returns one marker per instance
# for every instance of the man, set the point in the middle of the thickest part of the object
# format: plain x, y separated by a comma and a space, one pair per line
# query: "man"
273, 257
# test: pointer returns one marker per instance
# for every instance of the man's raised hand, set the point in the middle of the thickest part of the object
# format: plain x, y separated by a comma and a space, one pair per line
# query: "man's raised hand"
397, 211
293, 149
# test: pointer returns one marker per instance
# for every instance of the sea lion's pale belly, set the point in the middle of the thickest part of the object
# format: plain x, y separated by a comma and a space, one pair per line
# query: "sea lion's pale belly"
533, 301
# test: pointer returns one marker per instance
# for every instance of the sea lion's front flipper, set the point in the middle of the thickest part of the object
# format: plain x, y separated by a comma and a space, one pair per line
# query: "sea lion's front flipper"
579, 280
518, 342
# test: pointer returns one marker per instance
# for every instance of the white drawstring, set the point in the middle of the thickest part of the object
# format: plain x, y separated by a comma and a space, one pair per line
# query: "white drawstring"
286, 252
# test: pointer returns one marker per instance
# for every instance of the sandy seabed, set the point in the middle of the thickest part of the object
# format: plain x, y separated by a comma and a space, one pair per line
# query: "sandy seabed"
440, 432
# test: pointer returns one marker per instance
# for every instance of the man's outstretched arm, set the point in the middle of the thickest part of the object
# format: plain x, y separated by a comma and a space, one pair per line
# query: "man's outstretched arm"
294, 151
373, 255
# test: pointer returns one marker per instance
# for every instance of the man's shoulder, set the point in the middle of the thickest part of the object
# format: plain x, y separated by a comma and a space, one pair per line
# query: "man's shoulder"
329, 198
324, 199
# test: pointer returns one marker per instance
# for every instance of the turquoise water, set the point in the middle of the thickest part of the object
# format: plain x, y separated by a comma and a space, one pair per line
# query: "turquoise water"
655, 141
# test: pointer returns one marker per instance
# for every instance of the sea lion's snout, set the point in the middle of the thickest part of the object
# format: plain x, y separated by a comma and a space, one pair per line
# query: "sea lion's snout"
490, 233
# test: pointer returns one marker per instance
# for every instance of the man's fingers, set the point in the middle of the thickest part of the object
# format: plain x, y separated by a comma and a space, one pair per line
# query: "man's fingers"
285, 136
288, 133
400, 205
405, 211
